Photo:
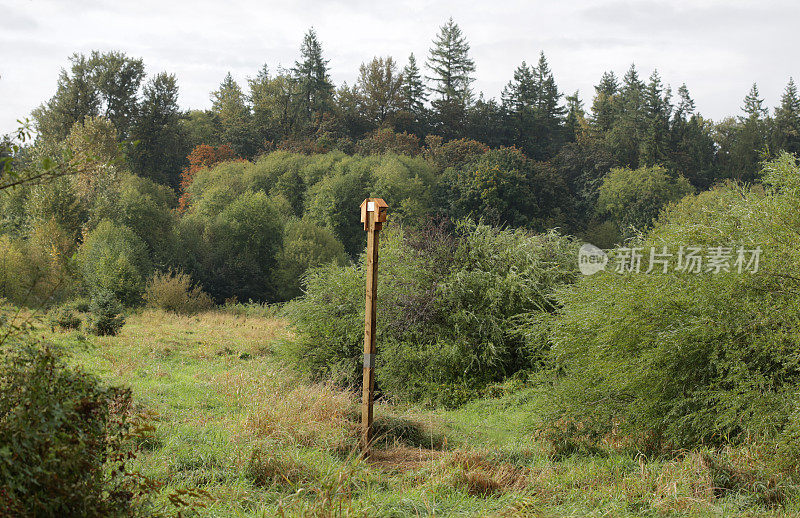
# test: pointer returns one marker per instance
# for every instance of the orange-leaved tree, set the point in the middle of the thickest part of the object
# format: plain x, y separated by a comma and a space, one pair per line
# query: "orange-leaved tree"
202, 157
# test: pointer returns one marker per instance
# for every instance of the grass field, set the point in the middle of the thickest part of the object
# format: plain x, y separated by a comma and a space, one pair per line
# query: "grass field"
233, 420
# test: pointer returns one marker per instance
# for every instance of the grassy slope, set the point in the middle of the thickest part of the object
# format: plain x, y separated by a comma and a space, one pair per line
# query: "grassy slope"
233, 421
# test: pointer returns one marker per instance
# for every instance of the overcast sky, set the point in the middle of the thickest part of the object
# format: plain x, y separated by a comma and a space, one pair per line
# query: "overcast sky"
717, 47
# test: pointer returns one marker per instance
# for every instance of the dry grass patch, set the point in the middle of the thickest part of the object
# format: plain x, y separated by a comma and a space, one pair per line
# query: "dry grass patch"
284, 410
277, 467
478, 474
402, 458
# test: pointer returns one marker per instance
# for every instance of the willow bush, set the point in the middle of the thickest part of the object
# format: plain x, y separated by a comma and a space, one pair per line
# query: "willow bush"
453, 309
672, 360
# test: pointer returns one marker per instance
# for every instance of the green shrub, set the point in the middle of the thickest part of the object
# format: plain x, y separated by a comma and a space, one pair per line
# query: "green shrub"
504, 187
105, 316
453, 310
65, 439
64, 317
305, 245
36, 270
633, 198
146, 208
672, 360
174, 291
233, 252
81, 304
113, 258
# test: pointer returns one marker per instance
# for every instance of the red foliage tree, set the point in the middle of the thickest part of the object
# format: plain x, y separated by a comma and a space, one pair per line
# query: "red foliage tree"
202, 157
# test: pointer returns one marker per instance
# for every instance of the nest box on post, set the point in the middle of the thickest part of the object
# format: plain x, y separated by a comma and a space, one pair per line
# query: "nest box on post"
373, 215
374, 205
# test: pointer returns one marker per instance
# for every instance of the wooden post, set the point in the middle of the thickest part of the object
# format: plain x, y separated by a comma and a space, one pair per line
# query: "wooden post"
373, 214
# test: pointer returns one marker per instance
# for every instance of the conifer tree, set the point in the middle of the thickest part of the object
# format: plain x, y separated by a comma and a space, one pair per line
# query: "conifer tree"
230, 106
451, 65
521, 93
629, 126
750, 138
685, 107
549, 112
414, 94
657, 109
533, 102
520, 101
604, 105
787, 121
576, 117
754, 104
315, 90
691, 147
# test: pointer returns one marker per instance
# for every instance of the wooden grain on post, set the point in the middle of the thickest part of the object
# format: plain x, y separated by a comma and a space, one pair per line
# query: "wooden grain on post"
373, 214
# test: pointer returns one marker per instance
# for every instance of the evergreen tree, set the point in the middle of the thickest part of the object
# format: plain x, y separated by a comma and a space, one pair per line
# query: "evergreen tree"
413, 99
414, 94
576, 117
451, 66
626, 134
413, 91
657, 112
750, 138
549, 114
521, 93
754, 105
536, 116
692, 148
786, 132
685, 107
520, 99
605, 107
160, 148
315, 90
230, 105
486, 122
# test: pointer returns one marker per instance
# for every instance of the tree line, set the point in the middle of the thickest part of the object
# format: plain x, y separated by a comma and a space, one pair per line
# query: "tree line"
247, 196
631, 122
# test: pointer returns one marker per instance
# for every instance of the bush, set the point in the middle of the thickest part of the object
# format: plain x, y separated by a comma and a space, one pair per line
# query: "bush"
64, 317
81, 305
66, 439
305, 245
453, 309
174, 291
105, 316
672, 360
234, 251
36, 270
504, 187
405, 183
113, 258
633, 198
